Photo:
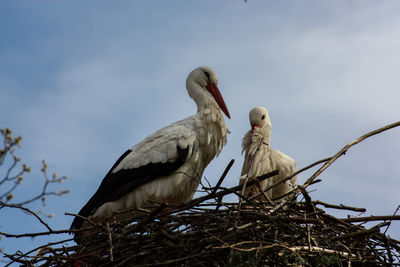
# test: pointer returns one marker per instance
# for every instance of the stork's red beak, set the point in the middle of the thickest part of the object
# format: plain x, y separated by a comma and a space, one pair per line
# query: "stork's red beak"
254, 127
214, 91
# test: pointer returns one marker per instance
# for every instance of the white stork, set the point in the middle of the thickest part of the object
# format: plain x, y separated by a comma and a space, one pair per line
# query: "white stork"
261, 159
166, 166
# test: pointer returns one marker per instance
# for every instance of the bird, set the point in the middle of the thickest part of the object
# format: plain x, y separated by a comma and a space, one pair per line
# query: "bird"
166, 166
260, 158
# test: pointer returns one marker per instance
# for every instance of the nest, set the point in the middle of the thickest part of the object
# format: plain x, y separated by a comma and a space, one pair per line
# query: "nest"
210, 232
207, 231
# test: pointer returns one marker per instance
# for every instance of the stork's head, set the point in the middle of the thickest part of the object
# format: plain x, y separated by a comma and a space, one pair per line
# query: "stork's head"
259, 119
202, 85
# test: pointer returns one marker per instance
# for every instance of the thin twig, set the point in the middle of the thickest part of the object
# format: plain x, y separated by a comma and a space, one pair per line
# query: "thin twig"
37, 248
394, 213
341, 206
374, 229
224, 192
28, 211
110, 242
347, 147
372, 218
291, 176
222, 177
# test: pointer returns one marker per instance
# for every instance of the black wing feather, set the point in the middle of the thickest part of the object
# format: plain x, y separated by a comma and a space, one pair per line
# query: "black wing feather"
116, 185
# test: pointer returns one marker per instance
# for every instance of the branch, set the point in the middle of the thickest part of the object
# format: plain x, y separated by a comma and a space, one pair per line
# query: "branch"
52, 232
224, 192
372, 218
372, 230
47, 181
222, 177
26, 210
397, 209
14, 259
6, 195
347, 147
291, 176
341, 206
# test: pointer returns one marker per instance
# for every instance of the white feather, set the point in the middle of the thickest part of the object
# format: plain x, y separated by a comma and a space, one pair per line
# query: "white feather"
261, 159
204, 134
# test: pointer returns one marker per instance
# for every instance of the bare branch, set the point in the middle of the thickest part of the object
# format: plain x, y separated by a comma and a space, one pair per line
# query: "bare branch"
397, 209
10, 182
341, 206
372, 218
347, 147
2, 204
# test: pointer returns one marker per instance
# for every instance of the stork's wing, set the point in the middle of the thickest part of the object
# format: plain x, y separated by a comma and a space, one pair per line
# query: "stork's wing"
158, 155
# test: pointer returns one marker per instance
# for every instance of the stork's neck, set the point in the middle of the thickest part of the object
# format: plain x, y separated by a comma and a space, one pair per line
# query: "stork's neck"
255, 141
202, 98
261, 133
212, 131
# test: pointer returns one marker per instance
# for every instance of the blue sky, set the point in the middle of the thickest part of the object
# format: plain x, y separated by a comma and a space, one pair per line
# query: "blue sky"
82, 81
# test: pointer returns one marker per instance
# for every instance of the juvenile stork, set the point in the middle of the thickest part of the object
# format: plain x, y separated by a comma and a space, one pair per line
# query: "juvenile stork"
167, 165
260, 158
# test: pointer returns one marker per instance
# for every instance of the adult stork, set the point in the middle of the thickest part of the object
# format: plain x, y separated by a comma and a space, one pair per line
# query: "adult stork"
261, 159
167, 165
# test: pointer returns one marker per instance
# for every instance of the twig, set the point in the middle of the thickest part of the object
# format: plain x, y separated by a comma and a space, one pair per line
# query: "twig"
341, 206
394, 213
308, 232
347, 147
110, 242
35, 249
263, 193
319, 249
53, 232
85, 219
140, 225
222, 177
224, 192
372, 218
362, 232
291, 176
309, 203
28, 211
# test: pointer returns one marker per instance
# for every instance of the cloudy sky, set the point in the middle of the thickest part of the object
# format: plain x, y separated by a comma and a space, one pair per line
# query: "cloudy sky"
83, 81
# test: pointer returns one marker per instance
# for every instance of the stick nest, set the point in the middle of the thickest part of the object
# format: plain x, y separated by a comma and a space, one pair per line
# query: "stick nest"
210, 232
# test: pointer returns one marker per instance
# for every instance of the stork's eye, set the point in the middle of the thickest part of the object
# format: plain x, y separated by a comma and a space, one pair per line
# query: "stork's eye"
263, 117
207, 74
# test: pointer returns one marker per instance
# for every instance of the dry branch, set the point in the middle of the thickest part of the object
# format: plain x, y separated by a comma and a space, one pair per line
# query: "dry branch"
347, 147
15, 174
